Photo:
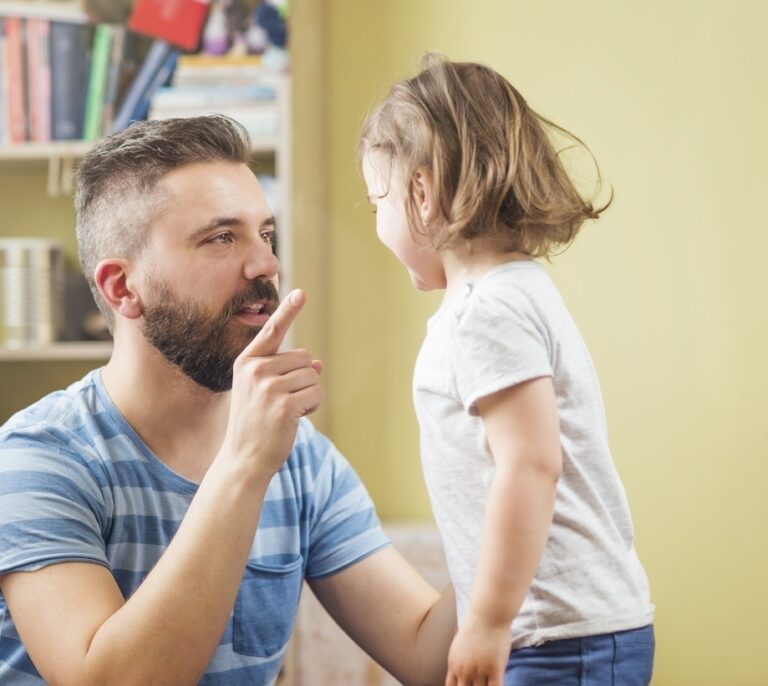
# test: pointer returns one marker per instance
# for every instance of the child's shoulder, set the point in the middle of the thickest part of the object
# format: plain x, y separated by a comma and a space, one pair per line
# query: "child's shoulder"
515, 280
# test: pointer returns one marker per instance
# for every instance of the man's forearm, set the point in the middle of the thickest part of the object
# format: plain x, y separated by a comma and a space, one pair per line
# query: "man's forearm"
169, 628
433, 641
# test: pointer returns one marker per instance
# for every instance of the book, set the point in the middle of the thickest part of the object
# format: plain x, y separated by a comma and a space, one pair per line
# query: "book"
31, 291
68, 46
214, 94
155, 70
63, 10
38, 80
261, 121
3, 85
135, 48
113, 76
178, 22
14, 45
97, 82
229, 69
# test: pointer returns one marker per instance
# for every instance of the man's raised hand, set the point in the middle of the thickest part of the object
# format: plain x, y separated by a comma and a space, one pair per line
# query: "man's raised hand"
271, 391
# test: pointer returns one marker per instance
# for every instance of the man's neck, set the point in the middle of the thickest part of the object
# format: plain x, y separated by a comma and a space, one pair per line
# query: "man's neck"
181, 422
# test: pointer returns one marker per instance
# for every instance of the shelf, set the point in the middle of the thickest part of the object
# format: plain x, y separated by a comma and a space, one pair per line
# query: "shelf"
44, 151
76, 350
78, 149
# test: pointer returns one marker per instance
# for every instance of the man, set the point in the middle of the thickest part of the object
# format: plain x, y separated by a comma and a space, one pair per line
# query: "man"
158, 517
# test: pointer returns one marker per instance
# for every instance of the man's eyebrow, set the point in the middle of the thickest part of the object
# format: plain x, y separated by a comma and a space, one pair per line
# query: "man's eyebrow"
217, 222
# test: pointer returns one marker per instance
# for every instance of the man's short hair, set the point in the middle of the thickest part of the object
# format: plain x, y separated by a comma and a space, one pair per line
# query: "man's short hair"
116, 182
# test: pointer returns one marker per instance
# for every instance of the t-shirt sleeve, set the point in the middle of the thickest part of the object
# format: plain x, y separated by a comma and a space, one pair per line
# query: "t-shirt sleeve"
500, 342
344, 526
51, 507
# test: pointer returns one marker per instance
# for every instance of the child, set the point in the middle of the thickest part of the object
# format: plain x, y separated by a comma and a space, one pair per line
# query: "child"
468, 189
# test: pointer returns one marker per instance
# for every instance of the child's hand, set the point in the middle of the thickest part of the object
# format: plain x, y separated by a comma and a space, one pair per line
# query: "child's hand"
478, 655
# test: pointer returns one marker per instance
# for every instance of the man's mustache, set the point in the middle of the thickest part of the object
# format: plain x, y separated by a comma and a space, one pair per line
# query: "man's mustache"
257, 290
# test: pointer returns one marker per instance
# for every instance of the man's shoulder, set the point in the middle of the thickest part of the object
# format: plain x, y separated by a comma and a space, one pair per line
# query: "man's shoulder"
57, 418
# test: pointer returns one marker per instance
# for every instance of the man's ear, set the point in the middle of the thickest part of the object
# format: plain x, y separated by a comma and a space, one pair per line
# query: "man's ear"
424, 194
111, 277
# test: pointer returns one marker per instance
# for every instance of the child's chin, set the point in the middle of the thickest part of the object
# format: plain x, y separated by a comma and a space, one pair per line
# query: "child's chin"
420, 285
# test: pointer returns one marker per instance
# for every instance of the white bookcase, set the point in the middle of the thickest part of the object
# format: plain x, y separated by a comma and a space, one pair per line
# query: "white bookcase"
61, 158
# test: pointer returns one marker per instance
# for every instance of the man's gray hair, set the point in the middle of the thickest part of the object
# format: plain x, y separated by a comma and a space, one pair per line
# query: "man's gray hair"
116, 181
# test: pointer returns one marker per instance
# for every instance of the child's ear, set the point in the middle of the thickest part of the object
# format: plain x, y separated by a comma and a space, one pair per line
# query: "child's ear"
112, 280
424, 195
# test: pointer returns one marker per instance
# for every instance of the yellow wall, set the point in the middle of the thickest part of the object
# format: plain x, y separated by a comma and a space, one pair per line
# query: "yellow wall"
667, 288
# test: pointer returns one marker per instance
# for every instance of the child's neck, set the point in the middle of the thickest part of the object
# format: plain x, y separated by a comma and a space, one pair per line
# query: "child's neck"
468, 264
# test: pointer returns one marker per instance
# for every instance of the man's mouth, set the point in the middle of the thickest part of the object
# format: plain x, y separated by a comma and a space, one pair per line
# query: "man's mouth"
257, 312
256, 308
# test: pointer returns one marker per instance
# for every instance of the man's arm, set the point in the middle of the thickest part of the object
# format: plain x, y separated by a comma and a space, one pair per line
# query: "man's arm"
393, 614
72, 618
79, 630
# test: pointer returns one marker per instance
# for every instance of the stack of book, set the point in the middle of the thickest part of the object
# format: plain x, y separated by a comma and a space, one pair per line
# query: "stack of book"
233, 85
65, 80
62, 78
31, 292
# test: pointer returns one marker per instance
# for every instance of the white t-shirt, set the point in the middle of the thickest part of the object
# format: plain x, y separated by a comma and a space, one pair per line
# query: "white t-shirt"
508, 327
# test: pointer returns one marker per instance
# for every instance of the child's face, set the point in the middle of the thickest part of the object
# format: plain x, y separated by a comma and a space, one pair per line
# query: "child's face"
386, 192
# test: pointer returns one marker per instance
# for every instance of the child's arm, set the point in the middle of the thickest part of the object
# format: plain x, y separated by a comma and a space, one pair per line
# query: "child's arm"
523, 433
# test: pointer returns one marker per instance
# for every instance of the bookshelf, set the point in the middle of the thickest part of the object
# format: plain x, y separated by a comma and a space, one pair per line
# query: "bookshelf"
59, 352
271, 154
267, 150
44, 151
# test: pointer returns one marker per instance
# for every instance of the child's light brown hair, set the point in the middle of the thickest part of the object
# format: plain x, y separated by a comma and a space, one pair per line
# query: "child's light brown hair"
494, 167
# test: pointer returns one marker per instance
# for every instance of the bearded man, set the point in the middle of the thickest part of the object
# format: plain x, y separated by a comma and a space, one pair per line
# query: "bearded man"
159, 517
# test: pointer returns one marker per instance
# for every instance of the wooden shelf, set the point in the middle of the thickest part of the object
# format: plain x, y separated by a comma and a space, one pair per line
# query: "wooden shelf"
76, 350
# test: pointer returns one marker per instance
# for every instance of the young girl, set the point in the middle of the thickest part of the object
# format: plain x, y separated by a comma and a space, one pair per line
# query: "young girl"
468, 189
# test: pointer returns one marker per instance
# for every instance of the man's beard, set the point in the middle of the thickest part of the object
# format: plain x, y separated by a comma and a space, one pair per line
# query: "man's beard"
201, 345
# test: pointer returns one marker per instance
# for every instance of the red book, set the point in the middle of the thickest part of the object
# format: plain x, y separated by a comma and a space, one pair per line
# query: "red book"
178, 22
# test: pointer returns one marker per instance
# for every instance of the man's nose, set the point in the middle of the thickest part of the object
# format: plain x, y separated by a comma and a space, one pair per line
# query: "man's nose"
260, 261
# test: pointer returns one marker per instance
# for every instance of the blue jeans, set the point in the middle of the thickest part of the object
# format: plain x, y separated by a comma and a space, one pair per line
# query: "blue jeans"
621, 659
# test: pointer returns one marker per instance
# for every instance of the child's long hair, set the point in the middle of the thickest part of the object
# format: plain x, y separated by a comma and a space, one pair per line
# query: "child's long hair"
494, 167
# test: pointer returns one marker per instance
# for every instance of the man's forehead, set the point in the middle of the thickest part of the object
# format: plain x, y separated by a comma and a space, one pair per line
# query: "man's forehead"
201, 191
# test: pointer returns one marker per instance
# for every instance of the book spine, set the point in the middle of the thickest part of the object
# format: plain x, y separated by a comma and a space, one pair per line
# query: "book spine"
97, 82
14, 47
162, 77
113, 77
38, 80
3, 83
67, 51
153, 62
31, 69
44, 80
24, 80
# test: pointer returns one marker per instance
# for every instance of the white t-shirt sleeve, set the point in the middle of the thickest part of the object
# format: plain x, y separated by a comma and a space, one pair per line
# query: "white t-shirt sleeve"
500, 342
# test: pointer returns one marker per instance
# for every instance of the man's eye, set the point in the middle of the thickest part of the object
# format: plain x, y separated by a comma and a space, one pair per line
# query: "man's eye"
222, 238
268, 237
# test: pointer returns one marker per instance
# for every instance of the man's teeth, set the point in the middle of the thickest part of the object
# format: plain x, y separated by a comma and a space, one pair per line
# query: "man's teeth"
258, 308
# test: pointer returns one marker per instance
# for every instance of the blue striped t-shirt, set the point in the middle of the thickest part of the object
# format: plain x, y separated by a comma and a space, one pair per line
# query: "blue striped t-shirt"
78, 484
